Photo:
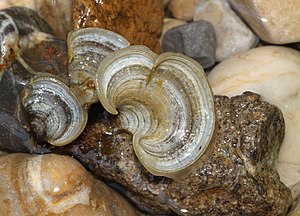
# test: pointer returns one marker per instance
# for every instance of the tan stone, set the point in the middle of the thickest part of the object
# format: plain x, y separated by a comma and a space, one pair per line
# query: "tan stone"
274, 21
182, 9
273, 72
57, 14
55, 185
233, 36
10, 3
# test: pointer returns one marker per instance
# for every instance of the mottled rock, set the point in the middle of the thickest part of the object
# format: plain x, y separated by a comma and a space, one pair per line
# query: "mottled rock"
274, 73
54, 185
196, 40
274, 21
182, 9
140, 22
57, 13
233, 36
236, 176
170, 23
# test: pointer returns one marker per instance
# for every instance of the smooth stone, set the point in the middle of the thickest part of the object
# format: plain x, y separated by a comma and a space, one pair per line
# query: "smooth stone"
55, 185
289, 173
22, 3
233, 36
57, 13
196, 40
139, 22
170, 23
166, 2
182, 9
235, 176
274, 73
274, 21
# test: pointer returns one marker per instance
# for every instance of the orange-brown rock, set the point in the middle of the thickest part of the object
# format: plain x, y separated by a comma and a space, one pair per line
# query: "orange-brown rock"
139, 21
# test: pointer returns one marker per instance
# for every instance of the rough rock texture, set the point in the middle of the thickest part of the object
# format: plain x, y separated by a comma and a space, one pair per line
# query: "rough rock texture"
139, 21
233, 36
182, 9
196, 40
272, 72
55, 185
274, 21
236, 176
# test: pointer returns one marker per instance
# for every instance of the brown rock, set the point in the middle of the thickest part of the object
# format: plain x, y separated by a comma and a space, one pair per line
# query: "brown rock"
274, 21
236, 176
139, 21
182, 9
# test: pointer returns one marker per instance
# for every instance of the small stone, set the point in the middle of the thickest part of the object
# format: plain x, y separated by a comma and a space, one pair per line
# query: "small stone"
170, 23
182, 9
272, 72
233, 36
196, 40
274, 21
139, 22
55, 185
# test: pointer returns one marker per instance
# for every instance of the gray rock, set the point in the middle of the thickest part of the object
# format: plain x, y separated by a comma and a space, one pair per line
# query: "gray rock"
196, 40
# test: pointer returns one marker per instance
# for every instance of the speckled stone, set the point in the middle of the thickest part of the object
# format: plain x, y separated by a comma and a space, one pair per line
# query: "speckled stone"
140, 22
274, 21
233, 36
195, 39
182, 9
274, 73
170, 23
236, 176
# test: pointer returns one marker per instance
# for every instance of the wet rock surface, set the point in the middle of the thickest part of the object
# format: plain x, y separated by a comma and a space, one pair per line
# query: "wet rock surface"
236, 176
140, 22
196, 40
272, 72
54, 185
